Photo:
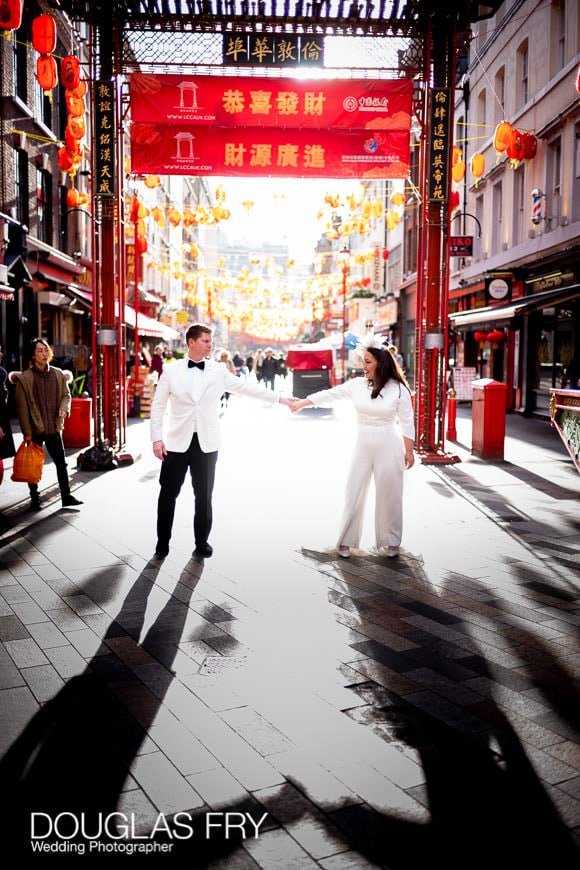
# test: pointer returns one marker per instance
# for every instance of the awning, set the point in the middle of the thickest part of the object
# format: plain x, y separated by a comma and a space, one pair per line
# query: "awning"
492, 314
53, 273
81, 294
148, 326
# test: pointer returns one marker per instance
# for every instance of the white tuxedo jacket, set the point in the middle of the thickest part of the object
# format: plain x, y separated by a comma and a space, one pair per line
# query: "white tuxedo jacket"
186, 415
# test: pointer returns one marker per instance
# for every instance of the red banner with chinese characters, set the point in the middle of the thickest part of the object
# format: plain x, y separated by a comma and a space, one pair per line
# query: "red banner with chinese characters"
226, 101
254, 151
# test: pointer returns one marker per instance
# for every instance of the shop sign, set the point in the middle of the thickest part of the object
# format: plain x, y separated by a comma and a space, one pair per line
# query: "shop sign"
461, 246
498, 288
104, 138
552, 282
272, 49
245, 101
269, 152
439, 137
388, 312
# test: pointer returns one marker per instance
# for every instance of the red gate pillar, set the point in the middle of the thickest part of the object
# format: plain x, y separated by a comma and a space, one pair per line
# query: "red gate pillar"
433, 260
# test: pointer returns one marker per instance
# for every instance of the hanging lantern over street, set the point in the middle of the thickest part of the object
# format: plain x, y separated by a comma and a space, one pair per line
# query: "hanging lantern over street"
477, 166
495, 336
44, 34
10, 14
72, 197
398, 198
46, 72
152, 181
76, 127
453, 200
456, 155
70, 72
458, 171
529, 146
65, 159
75, 105
515, 150
502, 136
481, 337
81, 88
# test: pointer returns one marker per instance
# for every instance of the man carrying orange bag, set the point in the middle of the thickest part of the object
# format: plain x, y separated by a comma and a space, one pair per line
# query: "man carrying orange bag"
42, 403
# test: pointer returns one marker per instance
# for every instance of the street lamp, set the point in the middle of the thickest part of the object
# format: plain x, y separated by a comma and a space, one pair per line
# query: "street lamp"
344, 260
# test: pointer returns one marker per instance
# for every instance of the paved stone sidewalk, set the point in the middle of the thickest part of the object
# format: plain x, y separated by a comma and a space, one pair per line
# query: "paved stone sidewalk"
382, 713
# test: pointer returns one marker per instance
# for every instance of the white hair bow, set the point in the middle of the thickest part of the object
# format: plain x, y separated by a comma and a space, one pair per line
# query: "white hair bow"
370, 340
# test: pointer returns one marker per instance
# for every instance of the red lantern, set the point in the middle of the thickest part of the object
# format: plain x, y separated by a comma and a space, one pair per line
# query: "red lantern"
477, 166
515, 150
495, 336
10, 14
502, 136
81, 88
141, 245
480, 336
385, 254
83, 198
76, 127
44, 34
529, 146
453, 200
65, 159
75, 105
73, 197
70, 72
46, 74
458, 171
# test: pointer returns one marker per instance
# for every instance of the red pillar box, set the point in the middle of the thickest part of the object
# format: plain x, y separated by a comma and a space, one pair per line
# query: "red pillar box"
77, 427
488, 418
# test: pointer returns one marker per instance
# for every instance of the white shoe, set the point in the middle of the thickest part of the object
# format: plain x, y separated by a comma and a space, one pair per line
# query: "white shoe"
344, 552
392, 552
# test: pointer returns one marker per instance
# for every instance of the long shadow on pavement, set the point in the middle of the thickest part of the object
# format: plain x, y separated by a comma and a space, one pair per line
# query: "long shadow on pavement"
488, 806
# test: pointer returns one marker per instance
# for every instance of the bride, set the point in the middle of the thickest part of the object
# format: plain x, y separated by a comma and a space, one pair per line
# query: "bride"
382, 451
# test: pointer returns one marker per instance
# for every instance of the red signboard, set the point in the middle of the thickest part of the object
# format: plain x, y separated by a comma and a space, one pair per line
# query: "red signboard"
227, 101
246, 151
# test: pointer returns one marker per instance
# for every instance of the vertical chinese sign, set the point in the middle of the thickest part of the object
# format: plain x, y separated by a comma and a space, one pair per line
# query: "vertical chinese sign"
439, 138
104, 138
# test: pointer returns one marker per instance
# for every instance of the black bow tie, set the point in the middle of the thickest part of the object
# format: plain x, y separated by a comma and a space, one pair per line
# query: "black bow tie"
193, 365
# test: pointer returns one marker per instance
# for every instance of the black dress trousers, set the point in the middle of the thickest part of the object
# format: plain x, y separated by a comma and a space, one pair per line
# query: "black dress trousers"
173, 470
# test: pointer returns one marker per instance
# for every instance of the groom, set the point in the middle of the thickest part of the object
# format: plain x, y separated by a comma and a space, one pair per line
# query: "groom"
193, 386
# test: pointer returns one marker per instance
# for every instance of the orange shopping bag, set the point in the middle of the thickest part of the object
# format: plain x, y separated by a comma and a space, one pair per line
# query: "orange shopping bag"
28, 463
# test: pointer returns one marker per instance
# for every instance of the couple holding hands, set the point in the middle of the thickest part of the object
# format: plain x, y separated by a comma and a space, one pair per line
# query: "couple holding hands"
193, 388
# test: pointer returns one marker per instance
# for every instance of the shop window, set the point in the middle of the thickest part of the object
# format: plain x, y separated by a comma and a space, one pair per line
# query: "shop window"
522, 73
500, 95
42, 106
519, 205
497, 218
43, 206
553, 183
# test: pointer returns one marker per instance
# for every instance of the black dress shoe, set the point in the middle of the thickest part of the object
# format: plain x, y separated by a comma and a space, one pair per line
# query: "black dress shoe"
161, 551
34, 505
204, 550
70, 501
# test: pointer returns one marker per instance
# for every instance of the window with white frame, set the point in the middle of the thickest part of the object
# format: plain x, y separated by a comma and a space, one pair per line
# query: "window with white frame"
576, 186
553, 183
479, 242
522, 73
519, 204
482, 107
557, 36
497, 218
499, 88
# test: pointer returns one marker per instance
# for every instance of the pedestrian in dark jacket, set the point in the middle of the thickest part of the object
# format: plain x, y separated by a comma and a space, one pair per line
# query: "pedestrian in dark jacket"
42, 402
269, 368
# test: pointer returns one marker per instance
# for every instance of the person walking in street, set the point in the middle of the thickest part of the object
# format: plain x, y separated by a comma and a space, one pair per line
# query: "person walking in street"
43, 401
380, 398
157, 360
269, 368
193, 387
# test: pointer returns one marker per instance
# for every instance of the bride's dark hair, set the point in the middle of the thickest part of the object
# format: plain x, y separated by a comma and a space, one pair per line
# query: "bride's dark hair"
386, 369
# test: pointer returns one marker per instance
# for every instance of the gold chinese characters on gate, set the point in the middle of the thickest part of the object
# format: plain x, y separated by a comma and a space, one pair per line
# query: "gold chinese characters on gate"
104, 138
439, 137
272, 49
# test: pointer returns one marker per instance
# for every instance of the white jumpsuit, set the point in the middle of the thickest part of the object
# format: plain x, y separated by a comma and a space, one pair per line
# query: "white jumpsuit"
379, 453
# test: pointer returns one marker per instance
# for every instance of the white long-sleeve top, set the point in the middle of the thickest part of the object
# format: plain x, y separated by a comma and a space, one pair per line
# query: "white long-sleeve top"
393, 404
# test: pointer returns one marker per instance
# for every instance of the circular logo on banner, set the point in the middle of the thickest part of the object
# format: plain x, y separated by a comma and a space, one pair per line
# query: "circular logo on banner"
498, 288
371, 145
350, 104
